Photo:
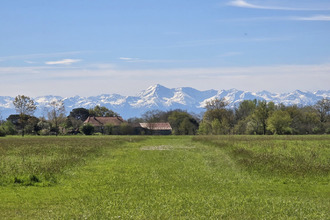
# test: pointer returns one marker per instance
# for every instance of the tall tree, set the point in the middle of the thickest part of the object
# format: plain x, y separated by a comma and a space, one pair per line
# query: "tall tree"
24, 106
279, 122
245, 109
155, 116
182, 123
79, 114
216, 111
56, 114
101, 111
262, 113
323, 108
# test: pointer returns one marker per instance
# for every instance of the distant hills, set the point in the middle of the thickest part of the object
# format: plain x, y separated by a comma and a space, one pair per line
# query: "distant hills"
162, 98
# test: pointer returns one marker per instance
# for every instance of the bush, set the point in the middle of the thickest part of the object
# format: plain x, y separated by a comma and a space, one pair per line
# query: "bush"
2, 132
87, 129
9, 128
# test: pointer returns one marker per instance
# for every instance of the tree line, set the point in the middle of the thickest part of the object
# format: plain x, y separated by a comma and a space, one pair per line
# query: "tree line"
249, 117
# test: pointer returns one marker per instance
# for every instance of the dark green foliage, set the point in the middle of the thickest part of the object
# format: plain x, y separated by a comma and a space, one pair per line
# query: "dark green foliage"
182, 123
217, 119
2, 132
30, 180
9, 128
79, 114
155, 116
101, 111
87, 129
24, 124
279, 122
245, 109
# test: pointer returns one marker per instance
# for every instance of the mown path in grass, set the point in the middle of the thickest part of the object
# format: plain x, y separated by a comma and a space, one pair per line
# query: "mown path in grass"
166, 178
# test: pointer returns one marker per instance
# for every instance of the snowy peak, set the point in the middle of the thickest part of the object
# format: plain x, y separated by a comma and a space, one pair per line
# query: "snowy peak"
157, 91
163, 98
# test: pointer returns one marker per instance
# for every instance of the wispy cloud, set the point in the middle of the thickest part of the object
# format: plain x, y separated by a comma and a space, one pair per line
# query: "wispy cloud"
63, 62
245, 4
128, 58
39, 55
278, 18
312, 18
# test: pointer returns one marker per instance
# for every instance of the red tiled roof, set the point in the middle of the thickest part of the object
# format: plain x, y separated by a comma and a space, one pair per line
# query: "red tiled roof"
156, 126
101, 121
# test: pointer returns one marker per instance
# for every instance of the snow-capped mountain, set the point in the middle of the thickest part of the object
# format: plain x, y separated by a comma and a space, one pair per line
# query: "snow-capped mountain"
162, 98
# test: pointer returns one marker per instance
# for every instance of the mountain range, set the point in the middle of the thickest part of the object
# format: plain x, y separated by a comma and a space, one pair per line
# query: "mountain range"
162, 98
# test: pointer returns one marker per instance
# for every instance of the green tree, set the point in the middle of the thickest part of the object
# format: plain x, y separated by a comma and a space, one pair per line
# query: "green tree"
296, 115
56, 114
76, 119
125, 129
44, 126
279, 122
182, 123
153, 116
216, 109
2, 131
204, 128
310, 120
87, 129
262, 112
109, 129
187, 127
79, 114
24, 106
323, 109
32, 125
216, 127
9, 128
99, 111
245, 109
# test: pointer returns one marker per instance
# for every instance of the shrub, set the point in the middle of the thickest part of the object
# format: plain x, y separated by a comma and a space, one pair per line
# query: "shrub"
87, 129
2, 132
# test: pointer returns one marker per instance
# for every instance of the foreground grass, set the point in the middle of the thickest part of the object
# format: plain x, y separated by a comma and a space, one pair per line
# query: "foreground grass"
166, 178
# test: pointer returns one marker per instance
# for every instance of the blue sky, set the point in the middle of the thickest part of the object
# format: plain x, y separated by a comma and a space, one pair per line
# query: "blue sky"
91, 47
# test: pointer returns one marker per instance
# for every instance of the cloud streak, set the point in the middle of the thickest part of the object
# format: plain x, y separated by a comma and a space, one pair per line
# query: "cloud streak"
287, 18
245, 4
63, 62
312, 18
40, 55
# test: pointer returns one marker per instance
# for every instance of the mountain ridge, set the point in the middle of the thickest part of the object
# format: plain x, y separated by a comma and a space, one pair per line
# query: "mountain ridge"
163, 98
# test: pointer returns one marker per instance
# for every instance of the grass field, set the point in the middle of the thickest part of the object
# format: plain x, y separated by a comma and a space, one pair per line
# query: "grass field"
172, 177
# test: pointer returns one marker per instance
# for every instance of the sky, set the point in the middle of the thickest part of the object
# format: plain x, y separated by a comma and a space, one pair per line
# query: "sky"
93, 47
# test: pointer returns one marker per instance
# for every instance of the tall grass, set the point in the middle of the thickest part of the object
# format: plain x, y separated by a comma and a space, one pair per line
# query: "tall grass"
39, 161
298, 156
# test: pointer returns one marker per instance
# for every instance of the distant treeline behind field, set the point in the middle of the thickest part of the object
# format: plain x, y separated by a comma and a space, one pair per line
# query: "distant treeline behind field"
250, 117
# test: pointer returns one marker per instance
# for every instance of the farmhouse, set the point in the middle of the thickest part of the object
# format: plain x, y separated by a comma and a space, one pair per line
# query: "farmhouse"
100, 122
157, 128
120, 126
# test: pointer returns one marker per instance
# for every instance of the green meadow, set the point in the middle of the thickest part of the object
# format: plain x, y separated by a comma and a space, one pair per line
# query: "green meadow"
165, 177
